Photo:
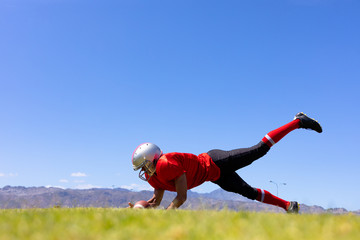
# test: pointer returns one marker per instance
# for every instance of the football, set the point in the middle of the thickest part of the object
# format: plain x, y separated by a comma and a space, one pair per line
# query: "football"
141, 204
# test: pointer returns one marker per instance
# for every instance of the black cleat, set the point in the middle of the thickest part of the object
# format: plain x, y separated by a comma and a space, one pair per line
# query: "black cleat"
293, 207
308, 123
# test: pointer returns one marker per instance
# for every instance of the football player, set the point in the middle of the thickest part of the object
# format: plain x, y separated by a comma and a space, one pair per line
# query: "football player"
179, 172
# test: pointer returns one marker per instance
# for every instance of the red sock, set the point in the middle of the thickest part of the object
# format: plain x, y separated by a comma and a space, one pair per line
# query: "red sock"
266, 197
276, 135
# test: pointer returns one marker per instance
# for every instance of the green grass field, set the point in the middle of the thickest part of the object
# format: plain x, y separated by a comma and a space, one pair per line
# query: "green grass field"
111, 223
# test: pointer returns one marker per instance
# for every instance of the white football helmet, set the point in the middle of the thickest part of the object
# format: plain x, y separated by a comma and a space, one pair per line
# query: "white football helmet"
143, 158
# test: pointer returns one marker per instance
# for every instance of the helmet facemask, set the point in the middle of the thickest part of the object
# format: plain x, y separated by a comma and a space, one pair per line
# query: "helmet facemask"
148, 168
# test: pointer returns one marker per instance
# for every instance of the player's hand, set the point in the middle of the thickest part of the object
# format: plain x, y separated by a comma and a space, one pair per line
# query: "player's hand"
131, 205
153, 205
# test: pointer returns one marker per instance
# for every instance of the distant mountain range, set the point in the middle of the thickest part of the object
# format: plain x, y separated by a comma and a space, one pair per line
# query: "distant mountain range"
42, 197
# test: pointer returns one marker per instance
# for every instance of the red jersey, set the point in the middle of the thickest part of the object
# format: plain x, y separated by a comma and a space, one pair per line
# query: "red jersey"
170, 166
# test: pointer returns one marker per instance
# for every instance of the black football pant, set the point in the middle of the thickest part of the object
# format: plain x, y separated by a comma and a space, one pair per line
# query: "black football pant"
231, 161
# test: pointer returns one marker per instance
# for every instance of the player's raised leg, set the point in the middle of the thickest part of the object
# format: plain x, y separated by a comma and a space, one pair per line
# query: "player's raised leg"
300, 121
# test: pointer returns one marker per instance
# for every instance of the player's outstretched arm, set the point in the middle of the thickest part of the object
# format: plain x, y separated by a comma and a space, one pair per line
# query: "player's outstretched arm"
181, 189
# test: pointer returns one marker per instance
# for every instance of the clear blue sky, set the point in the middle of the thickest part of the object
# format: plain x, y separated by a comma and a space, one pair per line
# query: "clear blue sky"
82, 83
